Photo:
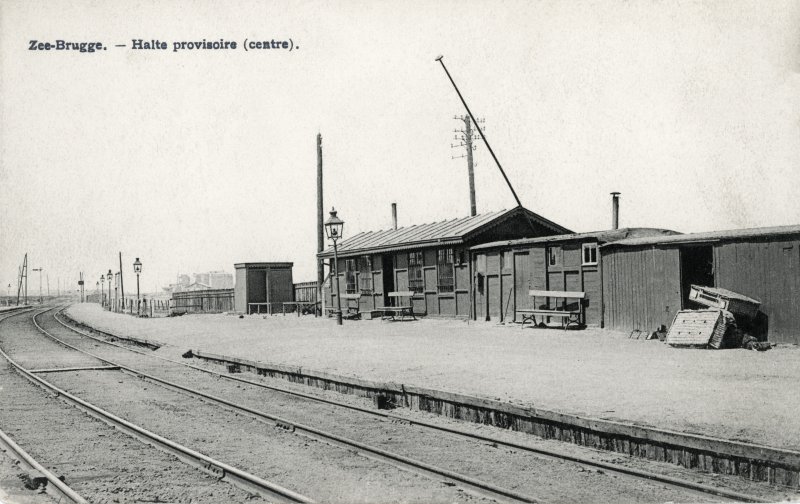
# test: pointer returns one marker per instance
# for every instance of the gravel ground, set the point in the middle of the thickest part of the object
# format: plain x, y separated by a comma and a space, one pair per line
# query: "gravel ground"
12, 488
730, 394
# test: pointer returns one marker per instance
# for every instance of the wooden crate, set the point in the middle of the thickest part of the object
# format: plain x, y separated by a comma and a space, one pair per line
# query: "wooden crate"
697, 328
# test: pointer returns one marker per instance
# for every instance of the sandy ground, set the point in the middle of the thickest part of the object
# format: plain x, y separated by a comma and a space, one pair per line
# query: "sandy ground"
731, 394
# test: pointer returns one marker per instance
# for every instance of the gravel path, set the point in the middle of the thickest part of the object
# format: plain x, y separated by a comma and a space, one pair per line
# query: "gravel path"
730, 394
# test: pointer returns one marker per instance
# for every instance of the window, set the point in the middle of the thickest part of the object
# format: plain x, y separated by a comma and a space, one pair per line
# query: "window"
444, 263
350, 276
365, 274
589, 253
416, 280
553, 256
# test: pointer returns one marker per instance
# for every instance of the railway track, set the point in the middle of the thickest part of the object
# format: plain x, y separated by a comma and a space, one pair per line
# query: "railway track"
74, 338
550, 454
218, 471
443, 482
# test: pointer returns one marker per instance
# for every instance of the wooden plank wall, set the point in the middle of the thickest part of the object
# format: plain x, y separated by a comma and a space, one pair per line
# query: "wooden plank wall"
770, 272
641, 287
430, 302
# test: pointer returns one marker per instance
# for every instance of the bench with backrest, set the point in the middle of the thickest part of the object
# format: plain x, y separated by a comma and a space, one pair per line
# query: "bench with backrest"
567, 314
401, 306
351, 308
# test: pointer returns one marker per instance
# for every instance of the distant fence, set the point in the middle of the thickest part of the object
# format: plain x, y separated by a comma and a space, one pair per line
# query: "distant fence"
305, 291
202, 301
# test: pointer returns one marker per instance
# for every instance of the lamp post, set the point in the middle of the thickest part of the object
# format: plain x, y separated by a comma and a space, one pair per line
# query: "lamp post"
97, 289
334, 227
116, 291
137, 268
102, 289
108, 276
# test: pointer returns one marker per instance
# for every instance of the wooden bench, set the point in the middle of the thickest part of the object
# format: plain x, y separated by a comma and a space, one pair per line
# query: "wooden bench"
398, 309
567, 316
352, 307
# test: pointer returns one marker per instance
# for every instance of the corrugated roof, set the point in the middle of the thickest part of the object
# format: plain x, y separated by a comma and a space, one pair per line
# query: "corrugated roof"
730, 234
605, 236
452, 231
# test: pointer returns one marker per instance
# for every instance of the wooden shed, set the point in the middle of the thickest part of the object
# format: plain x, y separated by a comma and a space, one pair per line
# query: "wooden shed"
647, 280
262, 286
505, 272
432, 260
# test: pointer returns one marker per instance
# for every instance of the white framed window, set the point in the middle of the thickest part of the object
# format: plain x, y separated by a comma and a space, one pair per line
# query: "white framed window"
589, 254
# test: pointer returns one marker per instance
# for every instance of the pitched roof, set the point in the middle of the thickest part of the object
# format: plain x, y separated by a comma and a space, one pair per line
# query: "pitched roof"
448, 232
709, 236
605, 236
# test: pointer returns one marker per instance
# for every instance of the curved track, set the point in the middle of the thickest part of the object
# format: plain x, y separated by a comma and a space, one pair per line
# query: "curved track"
146, 367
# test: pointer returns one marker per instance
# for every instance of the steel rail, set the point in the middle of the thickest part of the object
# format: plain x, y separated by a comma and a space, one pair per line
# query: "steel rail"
407, 463
55, 487
221, 470
552, 454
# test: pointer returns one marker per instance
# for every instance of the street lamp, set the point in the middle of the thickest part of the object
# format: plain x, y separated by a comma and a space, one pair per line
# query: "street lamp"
137, 268
334, 227
108, 276
97, 289
102, 289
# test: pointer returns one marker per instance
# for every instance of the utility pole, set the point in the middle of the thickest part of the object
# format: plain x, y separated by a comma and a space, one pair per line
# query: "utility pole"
121, 285
320, 225
466, 139
48, 285
22, 286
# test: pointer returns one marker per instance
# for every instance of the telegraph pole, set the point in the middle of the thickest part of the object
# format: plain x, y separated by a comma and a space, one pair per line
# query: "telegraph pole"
121, 284
320, 224
466, 139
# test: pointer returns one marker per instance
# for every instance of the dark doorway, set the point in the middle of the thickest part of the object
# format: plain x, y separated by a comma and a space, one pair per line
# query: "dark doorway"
387, 266
697, 268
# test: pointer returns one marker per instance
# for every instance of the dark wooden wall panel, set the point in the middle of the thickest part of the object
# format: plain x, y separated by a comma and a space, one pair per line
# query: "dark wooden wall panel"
641, 287
768, 272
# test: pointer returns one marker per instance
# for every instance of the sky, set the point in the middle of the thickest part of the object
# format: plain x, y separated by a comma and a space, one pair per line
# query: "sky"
194, 160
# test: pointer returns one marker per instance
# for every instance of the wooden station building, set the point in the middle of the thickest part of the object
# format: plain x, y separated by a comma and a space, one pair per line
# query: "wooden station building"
432, 260
646, 280
506, 271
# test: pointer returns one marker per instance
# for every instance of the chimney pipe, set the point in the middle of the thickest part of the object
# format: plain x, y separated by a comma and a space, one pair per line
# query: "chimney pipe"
394, 215
615, 210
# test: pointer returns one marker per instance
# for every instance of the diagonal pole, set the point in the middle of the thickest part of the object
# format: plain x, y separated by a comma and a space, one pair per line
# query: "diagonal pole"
439, 59
489, 147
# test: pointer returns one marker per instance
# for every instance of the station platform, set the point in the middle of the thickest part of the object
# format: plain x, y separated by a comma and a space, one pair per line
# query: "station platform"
592, 374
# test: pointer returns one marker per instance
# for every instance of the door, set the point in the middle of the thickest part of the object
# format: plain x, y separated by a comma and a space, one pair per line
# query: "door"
697, 268
493, 297
387, 265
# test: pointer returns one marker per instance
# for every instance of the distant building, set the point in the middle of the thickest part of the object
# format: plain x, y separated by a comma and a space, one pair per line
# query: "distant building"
215, 279
202, 281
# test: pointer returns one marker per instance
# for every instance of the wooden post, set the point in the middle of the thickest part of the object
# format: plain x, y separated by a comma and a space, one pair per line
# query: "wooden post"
121, 284
320, 224
473, 209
